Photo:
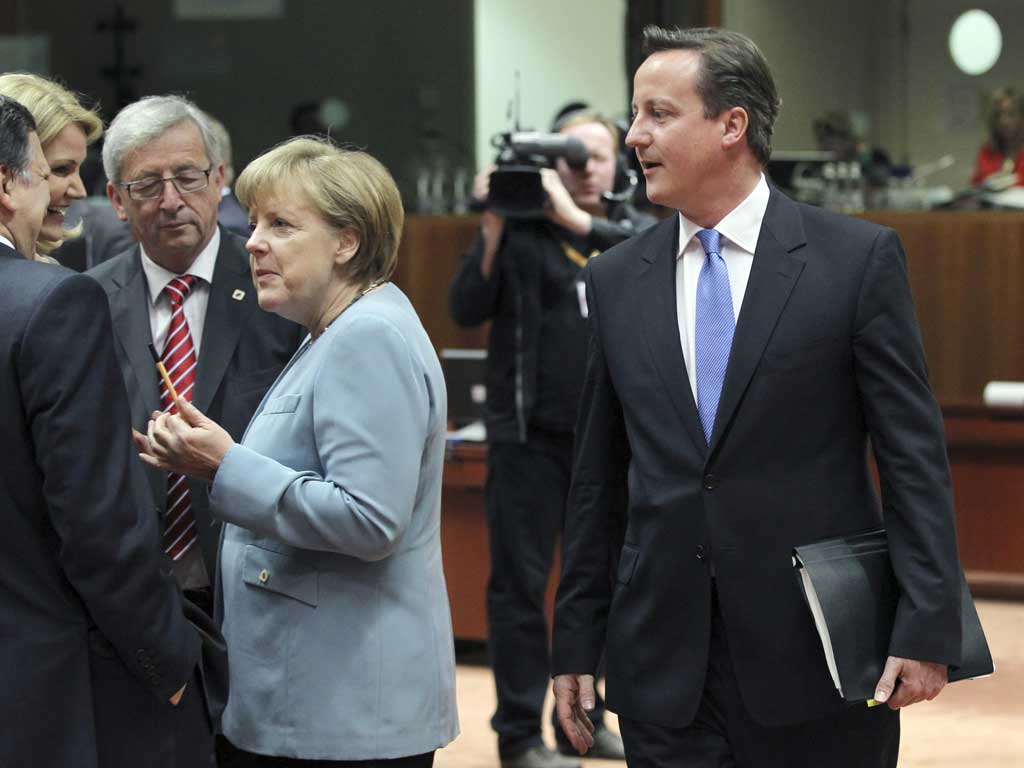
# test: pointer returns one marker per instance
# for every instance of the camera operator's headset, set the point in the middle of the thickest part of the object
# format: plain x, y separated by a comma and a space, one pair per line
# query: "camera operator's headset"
626, 179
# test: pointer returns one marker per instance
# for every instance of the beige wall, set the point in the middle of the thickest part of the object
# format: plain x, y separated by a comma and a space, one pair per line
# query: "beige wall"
889, 58
817, 54
565, 50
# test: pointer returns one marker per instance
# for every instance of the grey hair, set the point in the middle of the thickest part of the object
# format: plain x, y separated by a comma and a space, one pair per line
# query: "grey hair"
148, 119
223, 139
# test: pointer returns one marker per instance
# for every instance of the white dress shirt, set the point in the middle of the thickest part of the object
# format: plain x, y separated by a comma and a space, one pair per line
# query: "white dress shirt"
190, 569
195, 305
7, 242
739, 230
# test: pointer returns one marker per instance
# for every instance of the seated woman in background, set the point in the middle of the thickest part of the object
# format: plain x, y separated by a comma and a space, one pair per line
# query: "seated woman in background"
65, 129
332, 593
1001, 158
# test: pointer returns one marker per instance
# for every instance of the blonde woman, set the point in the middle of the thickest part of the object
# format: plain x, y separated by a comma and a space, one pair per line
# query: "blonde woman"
66, 128
334, 603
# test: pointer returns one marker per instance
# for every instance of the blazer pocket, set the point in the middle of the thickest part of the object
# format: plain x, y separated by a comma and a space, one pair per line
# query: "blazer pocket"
627, 564
274, 572
282, 404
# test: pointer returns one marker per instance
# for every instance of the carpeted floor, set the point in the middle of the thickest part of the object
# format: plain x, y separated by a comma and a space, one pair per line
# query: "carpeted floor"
973, 724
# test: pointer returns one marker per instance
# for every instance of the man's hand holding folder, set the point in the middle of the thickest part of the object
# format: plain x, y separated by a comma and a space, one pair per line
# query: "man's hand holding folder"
912, 681
852, 593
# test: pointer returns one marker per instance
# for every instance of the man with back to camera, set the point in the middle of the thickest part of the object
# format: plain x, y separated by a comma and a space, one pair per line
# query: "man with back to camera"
187, 290
743, 353
523, 276
99, 662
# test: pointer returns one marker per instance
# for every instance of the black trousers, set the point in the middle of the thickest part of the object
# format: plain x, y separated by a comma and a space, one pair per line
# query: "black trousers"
242, 759
527, 487
724, 735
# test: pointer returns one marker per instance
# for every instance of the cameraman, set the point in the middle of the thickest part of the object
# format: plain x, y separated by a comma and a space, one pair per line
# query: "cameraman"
524, 276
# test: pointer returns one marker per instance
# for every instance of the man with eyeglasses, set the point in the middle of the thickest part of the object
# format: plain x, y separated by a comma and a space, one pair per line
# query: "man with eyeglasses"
186, 290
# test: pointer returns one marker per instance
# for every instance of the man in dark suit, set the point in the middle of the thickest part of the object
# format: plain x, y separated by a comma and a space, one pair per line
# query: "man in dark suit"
98, 659
743, 353
186, 289
230, 213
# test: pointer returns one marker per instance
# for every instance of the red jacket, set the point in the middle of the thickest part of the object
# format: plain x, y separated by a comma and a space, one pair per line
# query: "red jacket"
991, 161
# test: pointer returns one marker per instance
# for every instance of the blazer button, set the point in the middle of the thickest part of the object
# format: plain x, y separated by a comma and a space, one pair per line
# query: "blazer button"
701, 552
709, 482
264, 576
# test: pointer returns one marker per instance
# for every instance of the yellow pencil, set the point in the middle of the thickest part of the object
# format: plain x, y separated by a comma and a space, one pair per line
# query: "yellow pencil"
166, 378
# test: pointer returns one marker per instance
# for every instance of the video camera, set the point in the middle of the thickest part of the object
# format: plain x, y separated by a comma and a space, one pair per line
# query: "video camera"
516, 190
515, 186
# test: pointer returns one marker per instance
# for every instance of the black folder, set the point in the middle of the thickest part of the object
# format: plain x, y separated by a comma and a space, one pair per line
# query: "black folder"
852, 593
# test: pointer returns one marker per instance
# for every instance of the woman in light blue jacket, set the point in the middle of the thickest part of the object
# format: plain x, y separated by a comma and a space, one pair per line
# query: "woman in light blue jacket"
334, 604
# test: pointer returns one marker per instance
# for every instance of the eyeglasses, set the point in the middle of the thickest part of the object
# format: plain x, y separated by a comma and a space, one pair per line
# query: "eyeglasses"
189, 180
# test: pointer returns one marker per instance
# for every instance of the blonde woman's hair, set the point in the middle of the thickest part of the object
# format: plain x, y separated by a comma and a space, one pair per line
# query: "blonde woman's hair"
54, 108
350, 189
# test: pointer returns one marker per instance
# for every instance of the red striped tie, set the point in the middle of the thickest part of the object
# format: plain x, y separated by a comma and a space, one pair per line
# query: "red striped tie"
179, 359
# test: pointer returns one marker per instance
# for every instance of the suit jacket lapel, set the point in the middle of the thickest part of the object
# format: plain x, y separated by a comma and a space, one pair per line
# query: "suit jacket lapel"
772, 276
657, 268
129, 312
225, 316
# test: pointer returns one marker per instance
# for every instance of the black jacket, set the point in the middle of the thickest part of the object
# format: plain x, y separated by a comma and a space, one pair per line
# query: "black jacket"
92, 637
826, 355
537, 349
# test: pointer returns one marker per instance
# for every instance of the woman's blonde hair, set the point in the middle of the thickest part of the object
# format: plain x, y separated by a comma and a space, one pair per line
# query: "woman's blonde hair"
54, 108
350, 189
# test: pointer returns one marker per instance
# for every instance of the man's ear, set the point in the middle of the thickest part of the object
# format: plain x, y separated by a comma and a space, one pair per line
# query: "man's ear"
735, 123
7, 182
348, 246
217, 177
115, 193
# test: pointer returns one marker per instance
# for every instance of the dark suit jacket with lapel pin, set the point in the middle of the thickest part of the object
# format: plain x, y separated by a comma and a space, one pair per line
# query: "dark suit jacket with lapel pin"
243, 350
826, 355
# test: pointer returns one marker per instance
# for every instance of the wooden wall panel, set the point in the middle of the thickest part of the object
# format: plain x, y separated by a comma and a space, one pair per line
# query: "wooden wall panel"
967, 276
428, 257
966, 273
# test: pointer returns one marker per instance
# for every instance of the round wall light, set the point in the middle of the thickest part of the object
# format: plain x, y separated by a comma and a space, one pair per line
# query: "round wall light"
975, 42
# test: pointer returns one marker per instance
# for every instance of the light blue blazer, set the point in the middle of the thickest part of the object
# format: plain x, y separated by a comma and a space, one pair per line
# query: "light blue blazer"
334, 604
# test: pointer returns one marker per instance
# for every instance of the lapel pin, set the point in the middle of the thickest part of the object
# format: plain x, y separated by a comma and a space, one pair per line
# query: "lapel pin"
238, 295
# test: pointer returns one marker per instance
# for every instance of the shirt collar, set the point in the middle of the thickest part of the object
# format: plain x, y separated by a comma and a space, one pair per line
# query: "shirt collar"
741, 226
157, 277
7, 242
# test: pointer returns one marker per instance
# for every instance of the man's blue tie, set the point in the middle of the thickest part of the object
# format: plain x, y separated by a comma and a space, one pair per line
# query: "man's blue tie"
713, 328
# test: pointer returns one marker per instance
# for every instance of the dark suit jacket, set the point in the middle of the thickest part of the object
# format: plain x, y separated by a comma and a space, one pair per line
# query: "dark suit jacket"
243, 349
103, 235
826, 355
92, 636
232, 216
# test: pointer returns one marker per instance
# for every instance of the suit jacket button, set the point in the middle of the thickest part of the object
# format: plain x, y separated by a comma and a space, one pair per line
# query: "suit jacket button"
709, 482
701, 552
264, 576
